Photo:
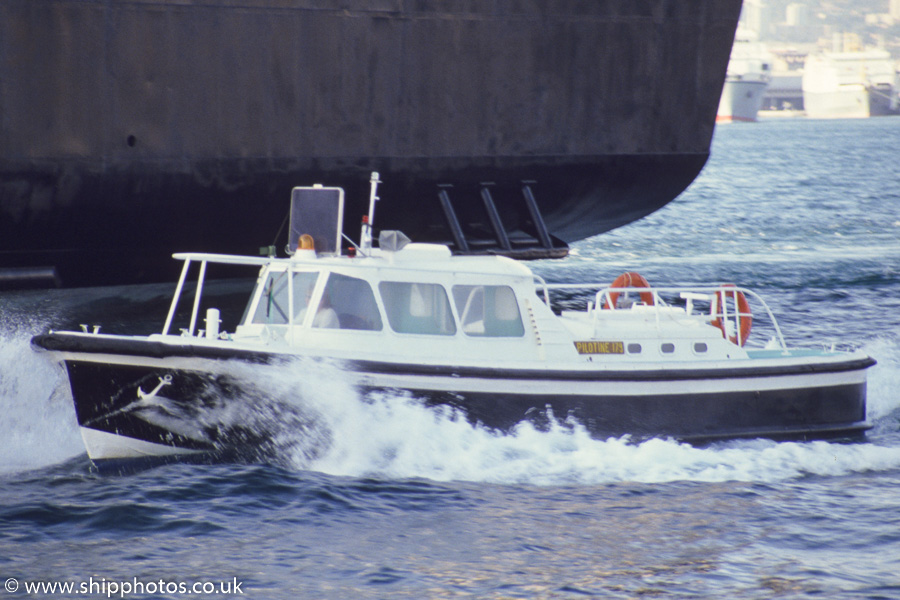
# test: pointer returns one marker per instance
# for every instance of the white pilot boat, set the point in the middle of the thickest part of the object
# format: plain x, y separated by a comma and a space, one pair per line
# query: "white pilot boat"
476, 333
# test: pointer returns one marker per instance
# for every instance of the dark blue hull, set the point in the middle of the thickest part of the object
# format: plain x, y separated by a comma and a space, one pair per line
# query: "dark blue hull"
133, 390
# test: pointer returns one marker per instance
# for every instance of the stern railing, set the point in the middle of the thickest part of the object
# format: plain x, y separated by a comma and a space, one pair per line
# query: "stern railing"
713, 294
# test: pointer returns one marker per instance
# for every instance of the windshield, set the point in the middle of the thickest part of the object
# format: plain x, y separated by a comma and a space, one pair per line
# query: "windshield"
273, 306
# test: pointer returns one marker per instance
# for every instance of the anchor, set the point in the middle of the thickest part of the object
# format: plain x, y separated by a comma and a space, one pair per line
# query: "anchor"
163, 381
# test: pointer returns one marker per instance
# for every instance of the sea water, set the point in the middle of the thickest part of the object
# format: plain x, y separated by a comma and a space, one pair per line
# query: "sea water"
387, 499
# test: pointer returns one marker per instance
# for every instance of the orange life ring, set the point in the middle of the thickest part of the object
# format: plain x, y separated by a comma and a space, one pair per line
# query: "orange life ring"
629, 280
744, 314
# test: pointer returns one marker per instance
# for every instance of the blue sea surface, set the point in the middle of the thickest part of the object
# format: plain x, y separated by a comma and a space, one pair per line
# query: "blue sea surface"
391, 500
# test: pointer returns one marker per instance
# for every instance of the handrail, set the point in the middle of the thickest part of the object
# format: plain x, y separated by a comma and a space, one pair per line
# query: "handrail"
543, 284
177, 296
204, 259
197, 293
227, 259
659, 302
711, 290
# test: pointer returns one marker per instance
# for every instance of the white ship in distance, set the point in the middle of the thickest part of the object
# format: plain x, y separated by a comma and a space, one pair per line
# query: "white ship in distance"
749, 74
850, 82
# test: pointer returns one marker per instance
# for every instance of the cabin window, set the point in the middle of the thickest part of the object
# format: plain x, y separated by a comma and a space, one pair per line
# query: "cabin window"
700, 347
488, 310
634, 348
273, 307
347, 303
417, 308
667, 348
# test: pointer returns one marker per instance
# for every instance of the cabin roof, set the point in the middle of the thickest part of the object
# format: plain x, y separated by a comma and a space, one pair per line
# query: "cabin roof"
414, 258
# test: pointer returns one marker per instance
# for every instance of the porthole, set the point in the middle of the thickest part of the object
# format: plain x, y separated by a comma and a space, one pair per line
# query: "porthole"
634, 348
700, 347
667, 348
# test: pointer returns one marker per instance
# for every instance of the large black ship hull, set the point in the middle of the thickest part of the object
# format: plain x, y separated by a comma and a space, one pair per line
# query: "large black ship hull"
134, 129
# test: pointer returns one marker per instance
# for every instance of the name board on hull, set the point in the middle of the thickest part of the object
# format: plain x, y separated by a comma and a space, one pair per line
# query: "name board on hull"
600, 347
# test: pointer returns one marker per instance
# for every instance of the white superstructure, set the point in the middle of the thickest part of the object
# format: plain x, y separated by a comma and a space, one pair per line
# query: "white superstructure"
749, 73
852, 84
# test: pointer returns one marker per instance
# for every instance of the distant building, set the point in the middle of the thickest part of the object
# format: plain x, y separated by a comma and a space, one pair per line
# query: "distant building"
755, 17
797, 15
793, 21
894, 9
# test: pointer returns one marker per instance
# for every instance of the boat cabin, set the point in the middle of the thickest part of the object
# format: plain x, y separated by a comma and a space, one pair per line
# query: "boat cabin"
419, 302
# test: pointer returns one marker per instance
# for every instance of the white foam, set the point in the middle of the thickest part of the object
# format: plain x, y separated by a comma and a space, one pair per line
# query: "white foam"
38, 426
394, 436
438, 449
884, 378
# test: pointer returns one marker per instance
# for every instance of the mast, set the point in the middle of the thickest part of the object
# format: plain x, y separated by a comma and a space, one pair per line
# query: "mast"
365, 236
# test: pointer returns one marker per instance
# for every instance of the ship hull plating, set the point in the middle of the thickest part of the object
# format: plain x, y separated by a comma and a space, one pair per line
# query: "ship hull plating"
131, 129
